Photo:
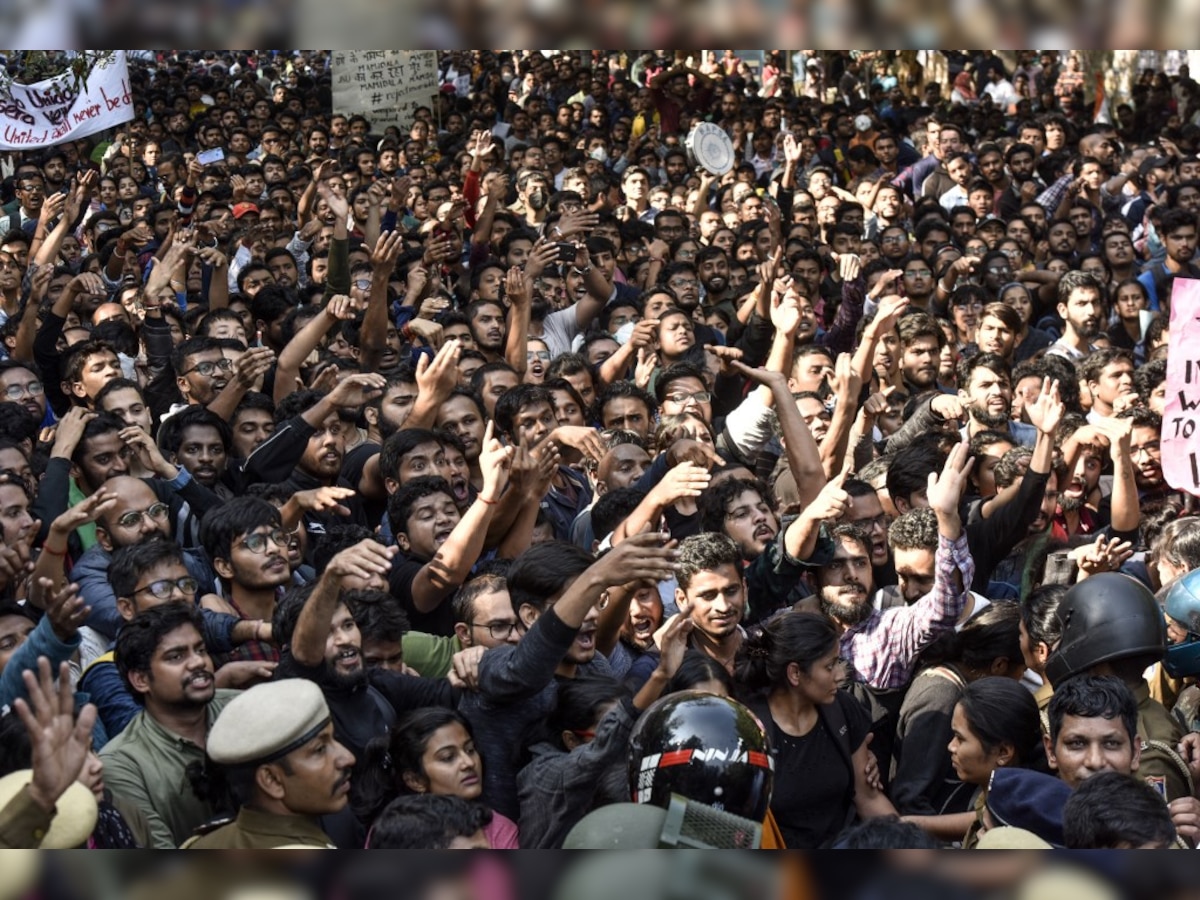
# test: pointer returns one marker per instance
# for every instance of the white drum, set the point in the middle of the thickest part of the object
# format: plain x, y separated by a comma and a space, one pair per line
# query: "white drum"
710, 147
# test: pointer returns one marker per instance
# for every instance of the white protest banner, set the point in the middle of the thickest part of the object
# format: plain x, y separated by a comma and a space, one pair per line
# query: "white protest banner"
1180, 434
59, 109
385, 86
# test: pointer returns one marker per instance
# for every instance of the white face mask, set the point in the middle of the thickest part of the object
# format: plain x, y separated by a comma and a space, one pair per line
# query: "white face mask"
599, 153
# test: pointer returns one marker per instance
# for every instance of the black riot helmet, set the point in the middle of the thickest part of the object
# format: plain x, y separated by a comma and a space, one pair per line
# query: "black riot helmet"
1106, 617
703, 747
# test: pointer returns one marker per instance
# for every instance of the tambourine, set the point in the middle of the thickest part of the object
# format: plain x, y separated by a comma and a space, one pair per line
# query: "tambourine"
710, 147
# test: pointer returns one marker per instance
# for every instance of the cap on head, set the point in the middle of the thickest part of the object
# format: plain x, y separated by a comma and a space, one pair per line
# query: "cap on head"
267, 722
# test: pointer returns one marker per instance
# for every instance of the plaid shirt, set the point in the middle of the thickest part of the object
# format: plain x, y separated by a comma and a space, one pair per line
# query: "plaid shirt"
883, 649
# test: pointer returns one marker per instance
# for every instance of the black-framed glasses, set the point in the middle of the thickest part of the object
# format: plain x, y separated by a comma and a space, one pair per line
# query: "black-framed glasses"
208, 367
918, 273
166, 588
879, 521
543, 355
33, 389
256, 542
499, 631
133, 517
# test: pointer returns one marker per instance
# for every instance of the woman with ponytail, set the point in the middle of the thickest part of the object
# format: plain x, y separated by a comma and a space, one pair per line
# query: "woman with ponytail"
789, 672
995, 725
429, 751
924, 782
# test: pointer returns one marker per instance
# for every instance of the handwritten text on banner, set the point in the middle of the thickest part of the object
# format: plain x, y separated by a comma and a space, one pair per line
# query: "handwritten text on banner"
386, 86
57, 110
1181, 417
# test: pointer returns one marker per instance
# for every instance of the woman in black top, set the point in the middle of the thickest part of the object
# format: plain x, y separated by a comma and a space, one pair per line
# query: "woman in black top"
819, 734
924, 782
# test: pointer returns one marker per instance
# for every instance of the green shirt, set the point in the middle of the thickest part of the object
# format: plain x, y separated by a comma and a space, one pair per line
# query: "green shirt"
430, 654
147, 765
87, 531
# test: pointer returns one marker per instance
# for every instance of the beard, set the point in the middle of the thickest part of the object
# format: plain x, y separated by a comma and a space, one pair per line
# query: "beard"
1071, 504
994, 421
345, 682
849, 614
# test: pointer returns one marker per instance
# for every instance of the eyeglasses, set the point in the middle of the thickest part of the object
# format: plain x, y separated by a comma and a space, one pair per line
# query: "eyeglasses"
133, 518
208, 367
256, 542
879, 521
683, 282
164, 589
893, 239
969, 304
917, 273
33, 389
682, 397
363, 284
499, 631
543, 355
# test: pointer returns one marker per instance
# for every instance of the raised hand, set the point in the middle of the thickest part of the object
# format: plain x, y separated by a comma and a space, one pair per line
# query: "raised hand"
579, 437
684, 481
87, 510
640, 557
59, 740
849, 265
494, 462
1046, 412
149, 455
368, 559
726, 356
64, 608
253, 365
387, 250
324, 499
1104, 555
832, 501
647, 362
785, 311
354, 392
437, 378
673, 644
518, 288
945, 491
429, 332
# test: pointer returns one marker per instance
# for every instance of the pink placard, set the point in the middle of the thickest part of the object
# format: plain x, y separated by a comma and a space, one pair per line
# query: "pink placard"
1181, 417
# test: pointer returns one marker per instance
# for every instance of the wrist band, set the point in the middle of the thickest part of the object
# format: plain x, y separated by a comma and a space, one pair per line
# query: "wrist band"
485, 500
52, 552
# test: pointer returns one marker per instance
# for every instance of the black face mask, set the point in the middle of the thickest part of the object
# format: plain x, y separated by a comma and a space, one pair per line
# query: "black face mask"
537, 199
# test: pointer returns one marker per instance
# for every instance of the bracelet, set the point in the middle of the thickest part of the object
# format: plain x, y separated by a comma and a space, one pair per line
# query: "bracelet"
485, 500
47, 549
406, 331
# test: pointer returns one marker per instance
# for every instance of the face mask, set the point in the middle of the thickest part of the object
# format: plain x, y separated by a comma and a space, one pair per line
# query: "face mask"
599, 153
537, 199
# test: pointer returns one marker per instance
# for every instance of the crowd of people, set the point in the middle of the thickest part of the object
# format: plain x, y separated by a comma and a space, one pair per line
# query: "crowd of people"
365, 486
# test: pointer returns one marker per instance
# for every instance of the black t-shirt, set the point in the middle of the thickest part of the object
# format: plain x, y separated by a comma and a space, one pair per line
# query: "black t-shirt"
400, 581
352, 471
813, 780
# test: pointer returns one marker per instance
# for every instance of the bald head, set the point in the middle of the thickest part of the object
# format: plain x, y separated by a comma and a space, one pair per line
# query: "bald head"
137, 515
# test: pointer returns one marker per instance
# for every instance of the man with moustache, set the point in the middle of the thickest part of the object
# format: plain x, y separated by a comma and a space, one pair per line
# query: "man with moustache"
320, 642
1081, 306
163, 659
245, 542
276, 747
882, 646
